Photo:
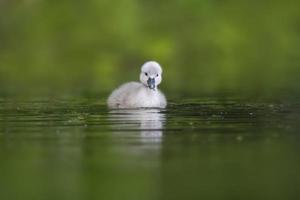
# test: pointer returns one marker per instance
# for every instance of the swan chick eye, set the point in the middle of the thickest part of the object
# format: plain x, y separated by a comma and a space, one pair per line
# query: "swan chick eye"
157, 75
146, 74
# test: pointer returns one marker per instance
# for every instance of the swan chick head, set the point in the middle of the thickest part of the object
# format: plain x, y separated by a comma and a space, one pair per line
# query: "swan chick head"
151, 74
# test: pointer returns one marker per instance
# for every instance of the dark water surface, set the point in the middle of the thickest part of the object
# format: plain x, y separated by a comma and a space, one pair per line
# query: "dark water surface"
195, 149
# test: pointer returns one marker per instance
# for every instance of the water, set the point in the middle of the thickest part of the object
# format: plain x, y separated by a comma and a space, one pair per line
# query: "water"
194, 149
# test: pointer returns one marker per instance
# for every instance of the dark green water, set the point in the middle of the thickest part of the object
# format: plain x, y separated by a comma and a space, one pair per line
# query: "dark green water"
195, 149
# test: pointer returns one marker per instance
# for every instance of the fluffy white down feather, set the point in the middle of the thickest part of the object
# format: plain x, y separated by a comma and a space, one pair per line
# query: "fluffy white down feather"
139, 95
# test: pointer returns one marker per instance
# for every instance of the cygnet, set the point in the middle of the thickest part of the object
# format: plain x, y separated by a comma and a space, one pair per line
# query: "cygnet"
143, 94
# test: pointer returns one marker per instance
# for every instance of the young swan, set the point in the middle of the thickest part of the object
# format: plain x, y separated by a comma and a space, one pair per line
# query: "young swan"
140, 95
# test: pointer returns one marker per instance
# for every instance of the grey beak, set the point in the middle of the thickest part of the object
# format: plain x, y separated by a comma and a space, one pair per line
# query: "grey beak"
151, 83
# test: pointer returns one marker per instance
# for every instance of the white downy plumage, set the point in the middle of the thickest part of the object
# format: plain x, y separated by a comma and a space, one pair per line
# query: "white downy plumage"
142, 94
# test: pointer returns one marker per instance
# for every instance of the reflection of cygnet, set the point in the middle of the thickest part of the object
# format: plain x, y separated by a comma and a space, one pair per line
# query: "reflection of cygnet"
140, 95
149, 122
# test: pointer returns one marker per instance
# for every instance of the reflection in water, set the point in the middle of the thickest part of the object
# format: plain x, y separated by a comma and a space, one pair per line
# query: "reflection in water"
70, 150
148, 122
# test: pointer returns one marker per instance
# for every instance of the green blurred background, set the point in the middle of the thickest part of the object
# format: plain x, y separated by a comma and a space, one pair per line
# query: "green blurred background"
59, 47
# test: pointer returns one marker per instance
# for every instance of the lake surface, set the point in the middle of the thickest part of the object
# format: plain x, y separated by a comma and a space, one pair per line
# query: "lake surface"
194, 149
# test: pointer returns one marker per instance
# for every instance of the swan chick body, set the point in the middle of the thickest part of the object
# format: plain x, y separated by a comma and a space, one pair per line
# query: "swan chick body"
142, 94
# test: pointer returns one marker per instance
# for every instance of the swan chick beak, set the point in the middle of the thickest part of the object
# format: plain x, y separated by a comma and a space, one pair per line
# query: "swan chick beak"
151, 83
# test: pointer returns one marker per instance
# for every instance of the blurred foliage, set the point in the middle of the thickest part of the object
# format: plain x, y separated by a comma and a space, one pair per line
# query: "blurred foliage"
204, 46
